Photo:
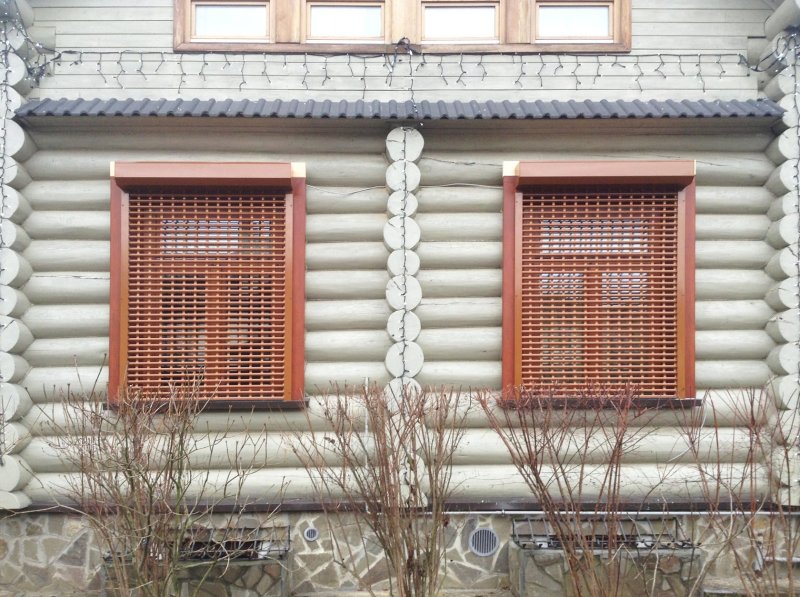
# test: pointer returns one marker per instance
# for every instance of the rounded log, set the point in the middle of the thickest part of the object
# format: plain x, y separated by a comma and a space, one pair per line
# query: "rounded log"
784, 232
456, 199
732, 200
16, 270
744, 254
784, 468
403, 292
783, 148
68, 287
403, 176
731, 374
460, 312
440, 283
345, 255
80, 352
403, 261
782, 206
356, 284
67, 321
17, 73
346, 315
347, 345
463, 375
403, 326
731, 227
323, 170
402, 203
16, 438
453, 255
731, 284
722, 408
785, 391
13, 500
732, 345
10, 100
15, 207
732, 315
789, 118
778, 87
784, 359
786, 425
14, 367
781, 181
784, 326
13, 303
461, 344
339, 200
14, 473
15, 336
404, 359
51, 384
13, 236
784, 294
69, 225
14, 175
642, 445
18, 142
68, 255
646, 482
79, 195
14, 401
401, 233
404, 143
214, 450
461, 226
343, 228
323, 378
783, 264
265, 485
785, 15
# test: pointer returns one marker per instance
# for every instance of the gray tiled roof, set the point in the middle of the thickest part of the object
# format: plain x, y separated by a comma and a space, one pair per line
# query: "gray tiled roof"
405, 110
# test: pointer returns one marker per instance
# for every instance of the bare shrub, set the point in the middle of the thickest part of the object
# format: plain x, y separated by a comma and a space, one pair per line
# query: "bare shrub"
145, 487
386, 461
750, 532
570, 454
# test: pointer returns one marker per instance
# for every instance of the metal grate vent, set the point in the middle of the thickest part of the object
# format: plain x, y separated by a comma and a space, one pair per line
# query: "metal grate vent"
483, 542
311, 534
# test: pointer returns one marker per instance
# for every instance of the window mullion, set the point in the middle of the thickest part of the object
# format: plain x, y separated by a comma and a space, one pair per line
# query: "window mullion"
288, 18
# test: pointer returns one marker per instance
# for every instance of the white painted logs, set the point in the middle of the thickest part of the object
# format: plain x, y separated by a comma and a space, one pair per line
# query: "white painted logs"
14, 401
786, 391
784, 294
78, 195
14, 473
458, 199
361, 284
68, 225
346, 314
345, 255
15, 208
731, 374
336, 200
783, 264
15, 336
784, 232
344, 227
787, 14
731, 227
16, 269
732, 200
68, 287
58, 352
51, 384
13, 500
731, 284
784, 326
67, 321
68, 255
732, 315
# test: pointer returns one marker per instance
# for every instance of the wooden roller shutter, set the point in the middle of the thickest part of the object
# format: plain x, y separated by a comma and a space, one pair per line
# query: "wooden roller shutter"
599, 291
601, 285
206, 290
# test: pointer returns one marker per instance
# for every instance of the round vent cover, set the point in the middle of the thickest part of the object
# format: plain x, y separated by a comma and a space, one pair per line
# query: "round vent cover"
483, 542
311, 534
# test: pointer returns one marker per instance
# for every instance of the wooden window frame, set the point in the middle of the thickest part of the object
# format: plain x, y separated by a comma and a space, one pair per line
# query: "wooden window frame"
560, 175
403, 19
163, 176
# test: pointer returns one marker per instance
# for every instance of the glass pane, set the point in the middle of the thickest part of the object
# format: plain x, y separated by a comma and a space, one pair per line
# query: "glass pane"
231, 21
460, 22
345, 22
565, 22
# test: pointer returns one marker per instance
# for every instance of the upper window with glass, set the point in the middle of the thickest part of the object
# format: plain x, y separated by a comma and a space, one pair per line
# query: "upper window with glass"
338, 26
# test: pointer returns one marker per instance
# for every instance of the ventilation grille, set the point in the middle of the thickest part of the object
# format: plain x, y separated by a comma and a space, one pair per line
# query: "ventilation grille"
311, 534
483, 542
207, 293
599, 292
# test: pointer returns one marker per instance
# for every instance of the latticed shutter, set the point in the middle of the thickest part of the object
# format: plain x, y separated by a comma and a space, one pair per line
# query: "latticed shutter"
599, 296
207, 292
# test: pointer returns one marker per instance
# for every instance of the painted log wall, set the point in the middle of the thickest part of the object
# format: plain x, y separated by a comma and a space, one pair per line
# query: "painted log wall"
346, 312
688, 49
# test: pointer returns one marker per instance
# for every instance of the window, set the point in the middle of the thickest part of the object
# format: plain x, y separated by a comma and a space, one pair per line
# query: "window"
207, 279
598, 277
339, 26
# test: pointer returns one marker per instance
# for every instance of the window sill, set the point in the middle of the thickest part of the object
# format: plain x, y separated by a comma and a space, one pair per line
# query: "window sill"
369, 48
610, 404
234, 405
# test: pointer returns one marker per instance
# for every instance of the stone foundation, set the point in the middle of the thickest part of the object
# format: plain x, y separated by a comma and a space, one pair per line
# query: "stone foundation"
55, 554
